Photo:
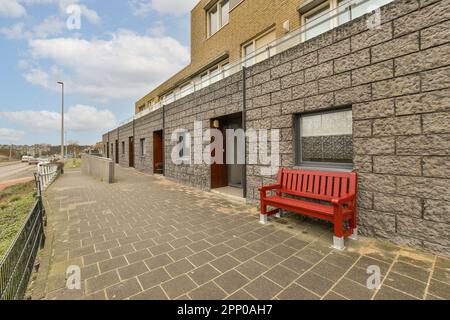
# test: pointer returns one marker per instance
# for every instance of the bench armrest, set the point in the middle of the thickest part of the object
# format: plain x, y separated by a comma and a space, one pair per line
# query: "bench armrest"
339, 201
269, 187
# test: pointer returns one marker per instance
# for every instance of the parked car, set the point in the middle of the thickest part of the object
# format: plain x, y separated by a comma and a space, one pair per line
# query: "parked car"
25, 158
32, 160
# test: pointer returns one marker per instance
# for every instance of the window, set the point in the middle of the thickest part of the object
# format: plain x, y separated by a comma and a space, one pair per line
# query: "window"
218, 16
214, 74
317, 21
141, 108
143, 147
333, 13
256, 50
123, 147
325, 139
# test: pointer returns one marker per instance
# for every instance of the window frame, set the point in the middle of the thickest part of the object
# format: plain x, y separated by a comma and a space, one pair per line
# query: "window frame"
331, 4
250, 62
299, 163
142, 147
218, 7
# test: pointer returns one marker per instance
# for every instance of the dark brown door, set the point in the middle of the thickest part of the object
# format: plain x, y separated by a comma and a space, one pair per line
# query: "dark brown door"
158, 152
131, 151
117, 151
219, 172
107, 150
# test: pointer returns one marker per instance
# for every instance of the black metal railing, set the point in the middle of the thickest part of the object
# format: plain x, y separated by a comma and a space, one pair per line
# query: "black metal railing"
16, 267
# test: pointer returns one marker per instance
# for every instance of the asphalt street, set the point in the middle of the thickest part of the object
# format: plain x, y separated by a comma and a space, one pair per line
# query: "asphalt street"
16, 171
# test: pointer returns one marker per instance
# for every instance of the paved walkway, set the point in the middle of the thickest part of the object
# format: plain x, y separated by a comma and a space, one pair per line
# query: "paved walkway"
149, 238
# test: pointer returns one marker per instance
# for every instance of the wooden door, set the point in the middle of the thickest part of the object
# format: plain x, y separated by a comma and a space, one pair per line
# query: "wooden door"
219, 172
158, 152
117, 151
131, 151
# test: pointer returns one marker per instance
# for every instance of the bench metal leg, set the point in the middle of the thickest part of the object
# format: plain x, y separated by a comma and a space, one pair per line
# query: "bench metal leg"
338, 243
279, 214
263, 218
354, 235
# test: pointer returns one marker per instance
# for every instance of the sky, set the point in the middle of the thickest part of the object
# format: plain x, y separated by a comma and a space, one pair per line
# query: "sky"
109, 54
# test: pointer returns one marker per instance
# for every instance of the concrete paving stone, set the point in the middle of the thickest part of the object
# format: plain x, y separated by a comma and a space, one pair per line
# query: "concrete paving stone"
160, 249
295, 243
208, 291
122, 250
242, 254
297, 265
102, 281
115, 235
203, 274
411, 271
155, 293
105, 245
153, 278
251, 236
130, 239
199, 245
365, 262
388, 293
180, 242
296, 292
353, 290
281, 275
361, 275
310, 255
179, 267
158, 261
148, 235
197, 236
92, 241
132, 270
425, 264
263, 289
439, 289
231, 281
96, 257
259, 246
112, 264
178, 286
236, 243
328, 271
79, 252
443, 263
144, 244
123, 290
224, 263
283, 251
180, 253
315, 283
340, 260
165, 238
251, 269
138, 256
56, 281
97, 296
333, 296
405, 284
89, 271
432, 297
268, 259
442, 275
240, 295
201, 258
219, 250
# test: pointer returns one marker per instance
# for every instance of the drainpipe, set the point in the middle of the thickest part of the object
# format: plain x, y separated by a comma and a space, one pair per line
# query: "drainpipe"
244, 127
164, 140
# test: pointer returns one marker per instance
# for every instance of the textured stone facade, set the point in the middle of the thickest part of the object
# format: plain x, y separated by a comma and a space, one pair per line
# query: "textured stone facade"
396, 79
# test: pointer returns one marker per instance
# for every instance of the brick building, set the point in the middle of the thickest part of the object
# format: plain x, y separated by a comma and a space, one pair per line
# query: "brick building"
345, 95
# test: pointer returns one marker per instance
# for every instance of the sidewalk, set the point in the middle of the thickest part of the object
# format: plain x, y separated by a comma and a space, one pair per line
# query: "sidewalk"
150, 238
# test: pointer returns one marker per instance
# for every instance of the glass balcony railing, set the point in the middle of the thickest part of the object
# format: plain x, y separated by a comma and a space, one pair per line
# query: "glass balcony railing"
345, 11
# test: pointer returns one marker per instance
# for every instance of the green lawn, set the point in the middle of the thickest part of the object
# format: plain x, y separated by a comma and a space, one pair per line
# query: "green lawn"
68, 164
15, 205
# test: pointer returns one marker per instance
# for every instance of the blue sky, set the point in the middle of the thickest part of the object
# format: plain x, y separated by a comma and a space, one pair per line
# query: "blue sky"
121, 50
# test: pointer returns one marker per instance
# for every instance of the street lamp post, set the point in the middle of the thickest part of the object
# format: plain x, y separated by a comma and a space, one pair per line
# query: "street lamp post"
62, 119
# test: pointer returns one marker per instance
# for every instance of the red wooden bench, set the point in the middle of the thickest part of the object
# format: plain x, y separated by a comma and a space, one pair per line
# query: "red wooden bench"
335, 191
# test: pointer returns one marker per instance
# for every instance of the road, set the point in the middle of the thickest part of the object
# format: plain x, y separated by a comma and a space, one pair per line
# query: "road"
16, 171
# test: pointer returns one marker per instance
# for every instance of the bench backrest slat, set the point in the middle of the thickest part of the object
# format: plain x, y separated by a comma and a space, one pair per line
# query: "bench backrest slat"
317, 184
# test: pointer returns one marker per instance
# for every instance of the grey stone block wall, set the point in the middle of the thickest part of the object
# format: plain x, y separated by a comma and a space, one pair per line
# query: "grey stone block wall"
143, 129
396, 79
125, 132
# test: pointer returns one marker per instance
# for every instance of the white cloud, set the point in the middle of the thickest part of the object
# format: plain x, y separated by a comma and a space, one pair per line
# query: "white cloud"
10, 135
12, 9
126, 66
50, 26
79, 118
142, 8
